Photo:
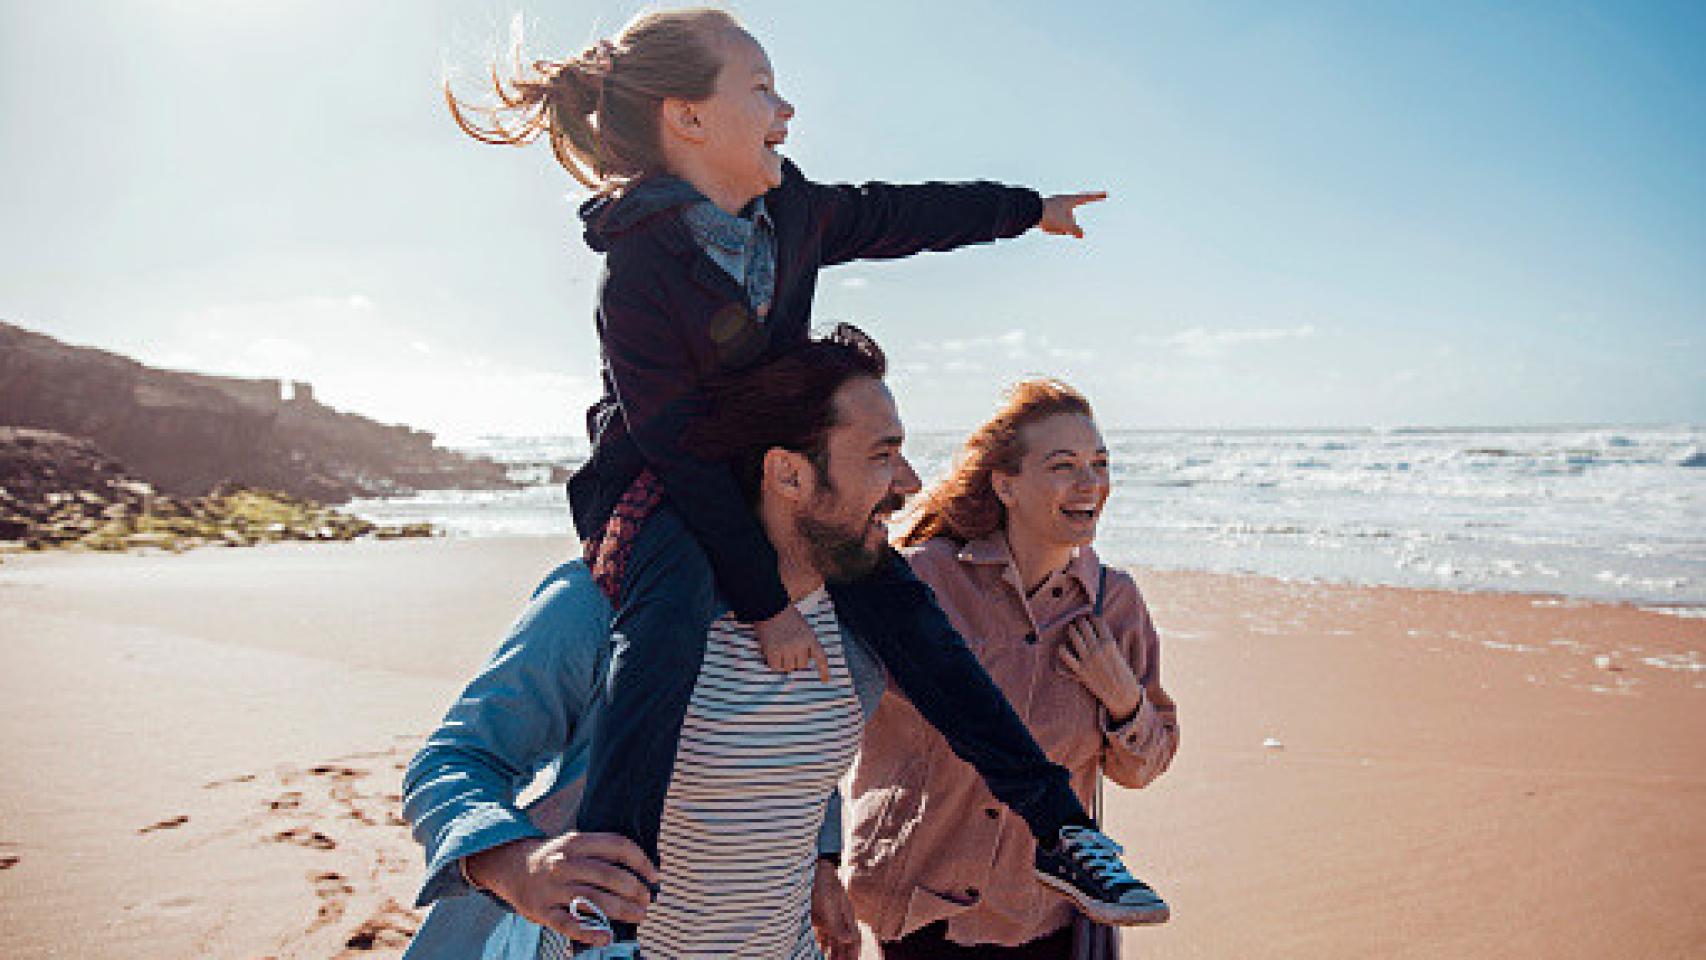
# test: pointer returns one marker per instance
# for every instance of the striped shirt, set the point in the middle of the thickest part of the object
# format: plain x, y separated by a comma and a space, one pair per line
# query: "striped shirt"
760, 752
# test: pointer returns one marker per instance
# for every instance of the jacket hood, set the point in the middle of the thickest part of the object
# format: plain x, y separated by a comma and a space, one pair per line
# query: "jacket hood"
607, 217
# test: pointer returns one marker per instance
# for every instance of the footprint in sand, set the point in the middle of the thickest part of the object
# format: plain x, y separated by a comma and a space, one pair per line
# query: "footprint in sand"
7, 861
304, 837
170, 823
388, 929
240, 778
290, 800
384, 861
334, 893
353, 797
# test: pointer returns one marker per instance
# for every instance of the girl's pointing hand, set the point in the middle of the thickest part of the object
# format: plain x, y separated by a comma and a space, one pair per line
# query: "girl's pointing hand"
1060, 213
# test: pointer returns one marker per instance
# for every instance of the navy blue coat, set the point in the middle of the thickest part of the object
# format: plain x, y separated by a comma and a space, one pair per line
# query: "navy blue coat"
669, 318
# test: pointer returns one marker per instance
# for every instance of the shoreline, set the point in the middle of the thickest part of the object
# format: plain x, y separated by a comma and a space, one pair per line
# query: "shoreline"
208, 746
1685, 609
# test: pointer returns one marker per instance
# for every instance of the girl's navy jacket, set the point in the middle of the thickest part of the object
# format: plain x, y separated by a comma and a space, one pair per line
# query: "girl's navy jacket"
669, 318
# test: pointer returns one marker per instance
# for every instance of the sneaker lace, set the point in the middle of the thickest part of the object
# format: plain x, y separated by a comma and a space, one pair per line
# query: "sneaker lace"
1099, 854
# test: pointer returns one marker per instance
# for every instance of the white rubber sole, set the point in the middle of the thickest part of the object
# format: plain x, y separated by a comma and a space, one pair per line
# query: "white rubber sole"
1112, 914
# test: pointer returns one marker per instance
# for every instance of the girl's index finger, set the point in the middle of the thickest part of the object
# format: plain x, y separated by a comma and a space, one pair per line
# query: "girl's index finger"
1093, 196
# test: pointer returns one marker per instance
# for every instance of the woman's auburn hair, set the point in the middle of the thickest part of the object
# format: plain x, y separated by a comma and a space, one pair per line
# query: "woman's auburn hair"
963, 506
600, 109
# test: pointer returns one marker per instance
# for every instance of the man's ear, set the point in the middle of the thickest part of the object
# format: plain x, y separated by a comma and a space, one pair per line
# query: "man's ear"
1002, 483
787, 474
680, 119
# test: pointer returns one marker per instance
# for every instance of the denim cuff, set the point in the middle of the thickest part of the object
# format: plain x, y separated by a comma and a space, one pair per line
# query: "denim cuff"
474, 832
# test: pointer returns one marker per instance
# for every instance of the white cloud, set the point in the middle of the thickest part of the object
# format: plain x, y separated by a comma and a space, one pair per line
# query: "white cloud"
1204, 344
854, 283
1011, 354
1072, 355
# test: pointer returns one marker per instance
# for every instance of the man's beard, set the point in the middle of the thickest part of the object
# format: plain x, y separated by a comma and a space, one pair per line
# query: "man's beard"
839, 551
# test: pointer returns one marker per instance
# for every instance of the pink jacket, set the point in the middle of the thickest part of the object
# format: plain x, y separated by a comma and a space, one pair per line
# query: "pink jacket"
928, 841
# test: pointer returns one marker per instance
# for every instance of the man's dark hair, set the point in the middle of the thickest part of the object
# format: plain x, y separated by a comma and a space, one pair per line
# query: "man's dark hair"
788, 402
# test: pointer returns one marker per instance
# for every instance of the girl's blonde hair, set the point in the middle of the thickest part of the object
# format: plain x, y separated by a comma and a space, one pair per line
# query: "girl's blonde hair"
963, 505
600, 109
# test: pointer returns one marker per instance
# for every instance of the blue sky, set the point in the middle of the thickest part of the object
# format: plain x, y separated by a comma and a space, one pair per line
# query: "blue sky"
1322, 213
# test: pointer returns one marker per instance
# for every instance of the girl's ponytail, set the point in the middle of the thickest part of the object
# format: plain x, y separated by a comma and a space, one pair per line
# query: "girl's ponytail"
600, 109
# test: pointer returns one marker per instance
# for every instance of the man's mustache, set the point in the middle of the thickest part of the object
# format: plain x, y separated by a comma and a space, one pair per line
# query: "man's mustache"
889, 504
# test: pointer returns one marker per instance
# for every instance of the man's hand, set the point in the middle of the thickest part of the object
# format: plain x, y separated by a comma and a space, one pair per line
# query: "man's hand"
540, 878
1060, 213
832, 915
789, 644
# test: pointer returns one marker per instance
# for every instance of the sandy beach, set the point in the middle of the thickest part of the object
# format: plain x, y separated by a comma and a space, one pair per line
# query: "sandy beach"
202, 756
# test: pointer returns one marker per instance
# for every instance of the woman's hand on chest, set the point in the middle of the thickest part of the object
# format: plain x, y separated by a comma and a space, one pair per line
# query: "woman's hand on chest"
1090, 654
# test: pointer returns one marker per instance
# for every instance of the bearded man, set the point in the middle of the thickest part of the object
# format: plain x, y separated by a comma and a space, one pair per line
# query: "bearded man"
751, 830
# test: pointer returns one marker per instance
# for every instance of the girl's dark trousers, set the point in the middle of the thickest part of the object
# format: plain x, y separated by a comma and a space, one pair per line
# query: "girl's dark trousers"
668, 600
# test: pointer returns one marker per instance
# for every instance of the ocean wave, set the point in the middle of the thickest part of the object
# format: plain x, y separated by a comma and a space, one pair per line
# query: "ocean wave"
1601, 512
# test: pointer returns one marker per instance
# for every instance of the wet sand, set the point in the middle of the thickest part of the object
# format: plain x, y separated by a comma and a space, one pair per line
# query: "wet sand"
202, 755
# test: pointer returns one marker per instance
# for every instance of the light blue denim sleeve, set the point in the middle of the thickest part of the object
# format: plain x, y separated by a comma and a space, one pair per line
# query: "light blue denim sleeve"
512, 720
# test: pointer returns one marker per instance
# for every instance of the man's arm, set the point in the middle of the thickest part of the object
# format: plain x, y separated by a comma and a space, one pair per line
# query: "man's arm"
515, 716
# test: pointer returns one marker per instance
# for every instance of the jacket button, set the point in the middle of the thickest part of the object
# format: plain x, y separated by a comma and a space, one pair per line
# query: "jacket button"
1056, 592
992, 813
1030, 638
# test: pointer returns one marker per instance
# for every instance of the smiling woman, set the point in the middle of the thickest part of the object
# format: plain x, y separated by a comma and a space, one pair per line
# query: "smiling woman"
1004, 541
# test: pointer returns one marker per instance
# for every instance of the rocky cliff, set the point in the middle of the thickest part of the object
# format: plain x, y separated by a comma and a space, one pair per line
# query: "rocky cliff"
60, 491
186, 433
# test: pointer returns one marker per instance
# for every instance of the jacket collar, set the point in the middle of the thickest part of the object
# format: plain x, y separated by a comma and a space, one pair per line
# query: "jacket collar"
607, 217
992, 551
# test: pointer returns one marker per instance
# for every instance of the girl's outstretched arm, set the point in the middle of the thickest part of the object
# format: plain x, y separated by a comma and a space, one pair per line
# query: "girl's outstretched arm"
884, 221
881, 221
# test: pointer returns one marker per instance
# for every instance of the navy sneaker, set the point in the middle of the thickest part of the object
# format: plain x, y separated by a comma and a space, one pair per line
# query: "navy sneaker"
1085, 866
